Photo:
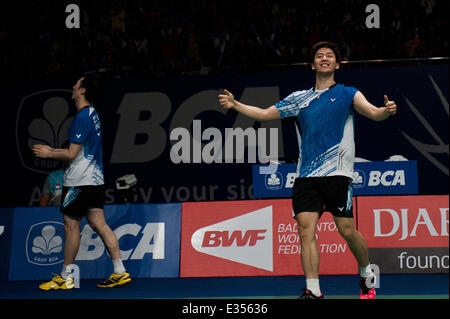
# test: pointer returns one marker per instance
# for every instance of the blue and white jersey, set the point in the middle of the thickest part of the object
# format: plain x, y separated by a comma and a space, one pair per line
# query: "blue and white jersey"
87, 167
325, 131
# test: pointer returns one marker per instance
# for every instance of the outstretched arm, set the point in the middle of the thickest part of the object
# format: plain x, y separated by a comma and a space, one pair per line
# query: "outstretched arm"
364, 107
45, 151
227, 101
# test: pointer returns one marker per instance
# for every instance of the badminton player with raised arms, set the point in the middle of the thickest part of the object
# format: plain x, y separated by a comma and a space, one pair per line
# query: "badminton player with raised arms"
324, 123
83, 187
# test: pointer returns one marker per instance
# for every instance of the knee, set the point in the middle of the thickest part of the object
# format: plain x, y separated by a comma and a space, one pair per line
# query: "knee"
97, 227
348, 233
306, 234
71, 227
307, 224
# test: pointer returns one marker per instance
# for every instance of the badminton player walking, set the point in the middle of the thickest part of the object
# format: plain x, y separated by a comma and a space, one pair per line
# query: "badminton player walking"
324, 117
83, 190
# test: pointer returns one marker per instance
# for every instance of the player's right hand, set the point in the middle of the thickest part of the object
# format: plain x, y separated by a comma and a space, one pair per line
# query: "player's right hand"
42, 151
226, 100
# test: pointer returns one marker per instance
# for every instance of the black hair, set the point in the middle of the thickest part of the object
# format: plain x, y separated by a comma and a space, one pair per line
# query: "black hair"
325, 44
92, 85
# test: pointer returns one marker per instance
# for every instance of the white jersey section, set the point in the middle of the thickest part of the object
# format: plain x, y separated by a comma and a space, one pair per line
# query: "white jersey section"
83, 171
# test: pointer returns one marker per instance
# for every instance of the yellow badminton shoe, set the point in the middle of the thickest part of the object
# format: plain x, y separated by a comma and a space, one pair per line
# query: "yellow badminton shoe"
58, 282
115, 280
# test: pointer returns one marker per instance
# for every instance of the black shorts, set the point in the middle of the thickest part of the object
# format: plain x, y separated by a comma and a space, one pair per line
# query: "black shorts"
78, 200
318, 194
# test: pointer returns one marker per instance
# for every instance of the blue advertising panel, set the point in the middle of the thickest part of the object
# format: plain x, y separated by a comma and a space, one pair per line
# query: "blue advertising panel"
276, 184
37, 242
369, 178
385, 178
5, 239
149, 239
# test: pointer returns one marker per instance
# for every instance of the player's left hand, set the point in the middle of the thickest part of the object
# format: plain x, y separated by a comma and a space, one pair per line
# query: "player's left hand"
42, 151
390, 106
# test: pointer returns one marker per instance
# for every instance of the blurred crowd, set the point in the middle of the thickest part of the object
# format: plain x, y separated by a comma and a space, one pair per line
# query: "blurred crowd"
165, 37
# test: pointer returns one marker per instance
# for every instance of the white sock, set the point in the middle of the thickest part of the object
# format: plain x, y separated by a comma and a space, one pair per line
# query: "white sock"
313, 286
118, 266
64, 273
365, 271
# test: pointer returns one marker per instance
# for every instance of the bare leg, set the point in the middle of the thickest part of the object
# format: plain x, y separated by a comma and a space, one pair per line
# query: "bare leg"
355, 240
72, 244
97, 221
307, 224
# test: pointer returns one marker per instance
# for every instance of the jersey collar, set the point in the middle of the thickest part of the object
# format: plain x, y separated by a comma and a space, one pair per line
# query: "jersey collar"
314, 87
86, 106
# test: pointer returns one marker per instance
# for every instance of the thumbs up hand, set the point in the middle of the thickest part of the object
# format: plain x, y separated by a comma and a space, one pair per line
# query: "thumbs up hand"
390, 106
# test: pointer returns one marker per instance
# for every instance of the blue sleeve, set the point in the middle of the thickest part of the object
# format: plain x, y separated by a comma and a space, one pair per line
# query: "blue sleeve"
79, 129
289, 106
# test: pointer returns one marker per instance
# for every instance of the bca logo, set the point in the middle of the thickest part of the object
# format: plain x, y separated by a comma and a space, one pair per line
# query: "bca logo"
274, 181
43, 118
246, 239
151, 241
387, 178
45, 243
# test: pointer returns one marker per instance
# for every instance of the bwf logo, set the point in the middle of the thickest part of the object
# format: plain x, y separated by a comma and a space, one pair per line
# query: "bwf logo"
43, 118
246, 239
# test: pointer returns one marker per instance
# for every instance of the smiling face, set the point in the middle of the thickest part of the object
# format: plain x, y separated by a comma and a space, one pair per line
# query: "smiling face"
325, 61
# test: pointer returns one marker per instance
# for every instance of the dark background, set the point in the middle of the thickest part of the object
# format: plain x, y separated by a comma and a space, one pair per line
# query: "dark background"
181, 48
